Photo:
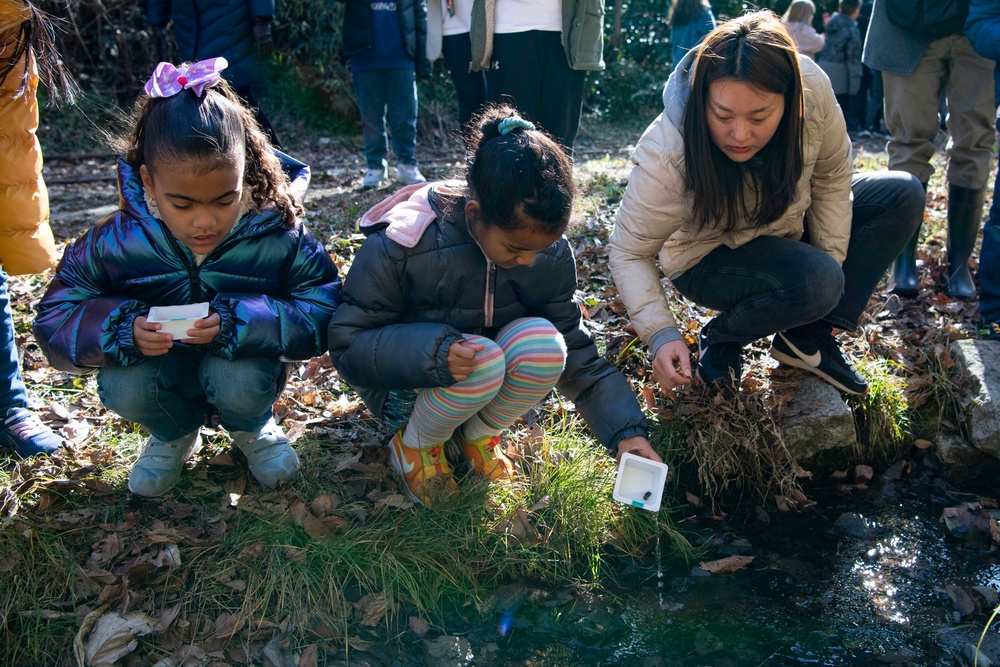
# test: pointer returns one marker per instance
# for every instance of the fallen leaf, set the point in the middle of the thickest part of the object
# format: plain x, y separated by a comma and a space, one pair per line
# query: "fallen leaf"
419, 626
371, 609
727, 564
309, 657
104, 639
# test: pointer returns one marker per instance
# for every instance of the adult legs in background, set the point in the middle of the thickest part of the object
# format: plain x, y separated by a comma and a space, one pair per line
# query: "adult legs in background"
911, 109
470, 87
371, 88
532, 73
989, 268
971, 118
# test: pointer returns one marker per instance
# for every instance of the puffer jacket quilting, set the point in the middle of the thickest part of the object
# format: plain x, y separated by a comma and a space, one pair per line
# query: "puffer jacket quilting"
275, 288
403, 307
213, 28
26, 241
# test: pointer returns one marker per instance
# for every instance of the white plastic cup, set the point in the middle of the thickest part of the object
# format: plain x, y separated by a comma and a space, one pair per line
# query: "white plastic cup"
176, 320
640, 482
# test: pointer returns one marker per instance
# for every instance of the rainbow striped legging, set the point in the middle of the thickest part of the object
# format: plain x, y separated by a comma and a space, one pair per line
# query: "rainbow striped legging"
512, 374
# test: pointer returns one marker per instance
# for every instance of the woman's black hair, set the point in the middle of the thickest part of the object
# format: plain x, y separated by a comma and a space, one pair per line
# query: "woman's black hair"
755, 49
524, 172
215, 126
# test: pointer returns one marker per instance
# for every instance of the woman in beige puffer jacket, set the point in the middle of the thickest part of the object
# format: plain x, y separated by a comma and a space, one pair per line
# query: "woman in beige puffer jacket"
742, 191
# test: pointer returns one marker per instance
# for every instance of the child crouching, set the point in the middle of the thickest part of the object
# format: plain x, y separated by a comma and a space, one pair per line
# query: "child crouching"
207, 213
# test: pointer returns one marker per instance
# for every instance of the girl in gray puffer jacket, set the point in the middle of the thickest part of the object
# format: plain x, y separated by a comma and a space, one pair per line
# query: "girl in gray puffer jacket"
459, 316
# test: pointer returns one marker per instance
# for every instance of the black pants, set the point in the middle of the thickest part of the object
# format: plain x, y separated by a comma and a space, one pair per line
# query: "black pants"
530, 71
773, 283
470, 87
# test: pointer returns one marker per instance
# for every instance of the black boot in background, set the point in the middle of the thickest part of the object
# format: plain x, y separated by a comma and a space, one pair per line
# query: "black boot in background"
904, 269
965, 217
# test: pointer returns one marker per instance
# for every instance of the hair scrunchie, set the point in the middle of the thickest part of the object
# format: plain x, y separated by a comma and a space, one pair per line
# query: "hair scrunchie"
514, 123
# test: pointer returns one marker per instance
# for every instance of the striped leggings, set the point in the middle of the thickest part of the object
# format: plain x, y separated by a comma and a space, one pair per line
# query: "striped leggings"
512, 374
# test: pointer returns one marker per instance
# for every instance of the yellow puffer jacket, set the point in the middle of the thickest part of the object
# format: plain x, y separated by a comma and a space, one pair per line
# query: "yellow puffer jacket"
26, 243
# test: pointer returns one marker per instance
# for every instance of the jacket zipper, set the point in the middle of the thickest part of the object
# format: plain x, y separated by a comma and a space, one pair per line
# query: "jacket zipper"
491, 283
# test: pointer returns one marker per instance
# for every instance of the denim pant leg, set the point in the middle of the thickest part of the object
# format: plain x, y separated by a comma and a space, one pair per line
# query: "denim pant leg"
766, 285
401, 100
12, 390
242, 390
888, 208
989, 260
162, 394
370, 87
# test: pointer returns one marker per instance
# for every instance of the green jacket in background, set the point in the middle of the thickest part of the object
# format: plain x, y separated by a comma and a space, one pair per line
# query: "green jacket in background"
582, 33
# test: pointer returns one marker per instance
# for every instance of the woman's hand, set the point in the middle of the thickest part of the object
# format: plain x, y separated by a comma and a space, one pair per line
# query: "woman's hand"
204, 330
639, 446
462, 358
148, 340
672, 365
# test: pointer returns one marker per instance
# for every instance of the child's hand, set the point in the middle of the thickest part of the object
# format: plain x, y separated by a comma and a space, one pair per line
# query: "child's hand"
672, 365
638, 446
147, 338
204, 331
462, 358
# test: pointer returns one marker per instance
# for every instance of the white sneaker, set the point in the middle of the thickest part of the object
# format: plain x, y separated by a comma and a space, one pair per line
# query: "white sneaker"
408, 174
160, 464
374, 177
269, 456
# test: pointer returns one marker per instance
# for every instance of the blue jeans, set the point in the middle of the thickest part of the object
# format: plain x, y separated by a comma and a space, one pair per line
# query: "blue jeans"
772, 283
989, 260
395, 90
12, 391
170, 395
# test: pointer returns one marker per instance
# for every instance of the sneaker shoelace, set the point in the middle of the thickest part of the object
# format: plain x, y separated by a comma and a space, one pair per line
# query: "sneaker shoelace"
26, 426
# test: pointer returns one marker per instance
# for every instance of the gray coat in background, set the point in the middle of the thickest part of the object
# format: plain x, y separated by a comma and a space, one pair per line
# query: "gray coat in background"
889, 48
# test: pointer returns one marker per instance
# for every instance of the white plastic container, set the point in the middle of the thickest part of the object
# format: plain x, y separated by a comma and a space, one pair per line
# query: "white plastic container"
176, 320
640, 482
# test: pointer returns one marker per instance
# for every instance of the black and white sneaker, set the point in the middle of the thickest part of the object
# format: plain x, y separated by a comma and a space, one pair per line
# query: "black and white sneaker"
719, 363
821, 356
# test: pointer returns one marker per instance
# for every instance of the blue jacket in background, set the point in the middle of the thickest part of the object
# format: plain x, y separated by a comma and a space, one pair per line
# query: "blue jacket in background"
683, 38
359, 30
274, 287
213, 28
983, 30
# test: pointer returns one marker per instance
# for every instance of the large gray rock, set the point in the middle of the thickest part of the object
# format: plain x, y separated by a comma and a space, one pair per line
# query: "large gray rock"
962, 461
819, 419
979, 362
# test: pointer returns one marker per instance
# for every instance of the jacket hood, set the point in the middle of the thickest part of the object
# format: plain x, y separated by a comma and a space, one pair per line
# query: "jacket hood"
677, 92
406, 214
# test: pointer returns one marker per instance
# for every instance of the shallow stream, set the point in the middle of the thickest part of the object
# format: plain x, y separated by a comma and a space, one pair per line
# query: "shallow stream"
858, 579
